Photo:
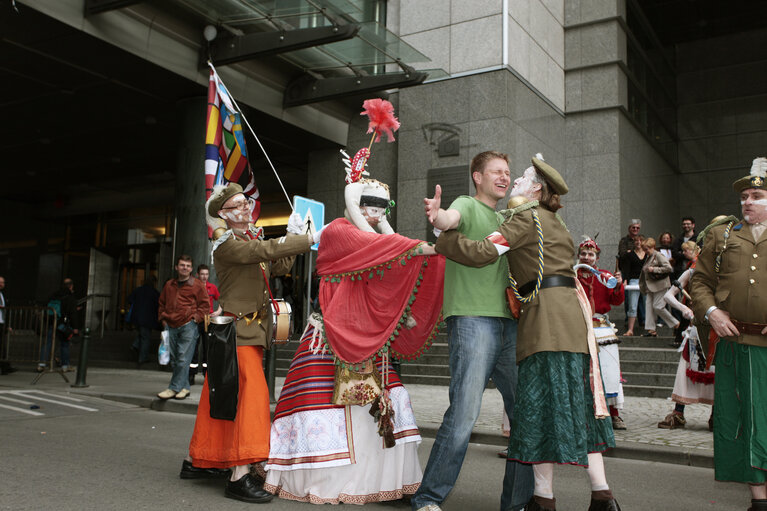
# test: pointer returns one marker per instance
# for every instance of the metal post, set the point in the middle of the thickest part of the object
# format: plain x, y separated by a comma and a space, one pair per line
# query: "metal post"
308, 310
103, 314
82, 364
271, 371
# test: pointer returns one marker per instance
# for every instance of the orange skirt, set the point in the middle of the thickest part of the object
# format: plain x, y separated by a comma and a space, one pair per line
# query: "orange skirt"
222, 444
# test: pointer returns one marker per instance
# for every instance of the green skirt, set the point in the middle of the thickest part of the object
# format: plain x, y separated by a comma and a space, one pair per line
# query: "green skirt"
554, 412
740, 413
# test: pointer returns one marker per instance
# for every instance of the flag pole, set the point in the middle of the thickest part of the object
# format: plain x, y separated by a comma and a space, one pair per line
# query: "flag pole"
287, 197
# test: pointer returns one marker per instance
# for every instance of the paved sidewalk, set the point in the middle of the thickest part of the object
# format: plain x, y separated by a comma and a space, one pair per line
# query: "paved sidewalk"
642, 440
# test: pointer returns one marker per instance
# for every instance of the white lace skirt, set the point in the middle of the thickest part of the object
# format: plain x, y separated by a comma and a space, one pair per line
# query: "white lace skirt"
336, 455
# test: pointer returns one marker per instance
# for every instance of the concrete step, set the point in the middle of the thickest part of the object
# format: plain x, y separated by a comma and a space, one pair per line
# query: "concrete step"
647, 342
425, 379
647, 391
424, 369
648, 354
648, 379
637, 366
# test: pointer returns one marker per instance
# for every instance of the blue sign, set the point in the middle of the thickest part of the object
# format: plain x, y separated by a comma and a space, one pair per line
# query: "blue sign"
312, 213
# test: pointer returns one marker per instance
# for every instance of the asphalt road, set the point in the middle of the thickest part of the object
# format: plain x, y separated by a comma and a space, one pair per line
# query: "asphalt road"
103, 455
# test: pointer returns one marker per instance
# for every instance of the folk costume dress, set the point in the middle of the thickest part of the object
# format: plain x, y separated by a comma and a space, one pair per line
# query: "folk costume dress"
379, 299
601, 299
559, 389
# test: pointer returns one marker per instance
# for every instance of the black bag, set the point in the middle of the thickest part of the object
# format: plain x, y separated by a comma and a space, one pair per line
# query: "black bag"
223, 373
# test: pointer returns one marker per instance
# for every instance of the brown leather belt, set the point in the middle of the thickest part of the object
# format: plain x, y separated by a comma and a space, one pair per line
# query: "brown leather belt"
748, 328
548, 281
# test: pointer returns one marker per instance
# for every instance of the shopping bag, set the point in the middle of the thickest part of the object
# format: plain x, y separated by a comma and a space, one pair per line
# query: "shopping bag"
163, 352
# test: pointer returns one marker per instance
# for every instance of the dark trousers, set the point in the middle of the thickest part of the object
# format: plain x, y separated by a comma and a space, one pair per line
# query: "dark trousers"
142, 343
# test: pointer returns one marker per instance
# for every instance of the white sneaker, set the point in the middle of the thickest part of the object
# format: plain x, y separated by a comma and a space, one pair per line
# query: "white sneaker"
430, 507
181, 394
166, 394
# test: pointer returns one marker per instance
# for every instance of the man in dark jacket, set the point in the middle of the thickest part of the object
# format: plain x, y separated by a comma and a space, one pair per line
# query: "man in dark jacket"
143, 314
67, 325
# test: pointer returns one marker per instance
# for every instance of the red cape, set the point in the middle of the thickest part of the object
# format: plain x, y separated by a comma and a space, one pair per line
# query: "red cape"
369, 284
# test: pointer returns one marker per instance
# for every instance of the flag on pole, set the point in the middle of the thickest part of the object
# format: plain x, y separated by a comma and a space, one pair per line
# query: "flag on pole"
226, 157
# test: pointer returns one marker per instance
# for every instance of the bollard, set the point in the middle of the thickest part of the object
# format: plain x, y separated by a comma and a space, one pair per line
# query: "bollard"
82, 364
271, 371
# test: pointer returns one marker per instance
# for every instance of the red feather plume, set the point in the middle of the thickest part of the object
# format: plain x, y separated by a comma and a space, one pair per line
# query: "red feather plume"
382, 119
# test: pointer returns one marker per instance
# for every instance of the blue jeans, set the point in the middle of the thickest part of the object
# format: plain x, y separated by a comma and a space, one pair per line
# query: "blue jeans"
182, 341
62, 341
480, 348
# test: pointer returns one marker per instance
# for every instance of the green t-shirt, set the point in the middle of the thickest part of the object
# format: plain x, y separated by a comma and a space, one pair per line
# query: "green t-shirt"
476, 291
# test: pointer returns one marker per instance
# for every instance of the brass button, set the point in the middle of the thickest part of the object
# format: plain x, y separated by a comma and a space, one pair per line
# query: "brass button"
753, 268
751, 280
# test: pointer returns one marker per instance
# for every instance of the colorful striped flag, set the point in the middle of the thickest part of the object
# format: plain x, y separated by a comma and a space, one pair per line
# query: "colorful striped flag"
226, 157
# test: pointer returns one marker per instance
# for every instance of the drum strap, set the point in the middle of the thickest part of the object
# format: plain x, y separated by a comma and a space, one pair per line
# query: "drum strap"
275, 308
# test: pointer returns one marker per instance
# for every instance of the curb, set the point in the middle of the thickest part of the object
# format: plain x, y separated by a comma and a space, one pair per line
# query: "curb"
623, 450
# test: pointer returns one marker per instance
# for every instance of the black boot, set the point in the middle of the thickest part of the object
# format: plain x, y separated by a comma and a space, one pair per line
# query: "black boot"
603, 500
189, 471
247, 489
758, 505
541, 504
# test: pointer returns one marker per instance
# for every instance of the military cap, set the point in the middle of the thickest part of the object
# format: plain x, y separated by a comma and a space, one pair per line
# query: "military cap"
756, 179
553, 178
219, 197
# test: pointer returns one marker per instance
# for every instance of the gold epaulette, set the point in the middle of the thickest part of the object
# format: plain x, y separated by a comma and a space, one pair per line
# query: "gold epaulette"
218, 233
524, 206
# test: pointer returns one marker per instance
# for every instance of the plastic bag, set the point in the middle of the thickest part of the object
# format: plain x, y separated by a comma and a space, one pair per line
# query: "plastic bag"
163, 352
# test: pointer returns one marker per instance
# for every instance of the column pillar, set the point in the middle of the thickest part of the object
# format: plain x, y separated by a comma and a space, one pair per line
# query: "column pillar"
191, 234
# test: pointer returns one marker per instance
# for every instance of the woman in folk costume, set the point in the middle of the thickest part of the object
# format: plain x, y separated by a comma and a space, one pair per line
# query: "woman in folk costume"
604, 291
694, 382
344, 430
560, 413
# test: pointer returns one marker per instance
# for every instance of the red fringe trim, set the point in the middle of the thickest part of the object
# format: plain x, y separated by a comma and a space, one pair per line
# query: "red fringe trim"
699, 377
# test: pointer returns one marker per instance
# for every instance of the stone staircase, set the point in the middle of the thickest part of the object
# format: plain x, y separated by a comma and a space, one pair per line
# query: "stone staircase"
648, 363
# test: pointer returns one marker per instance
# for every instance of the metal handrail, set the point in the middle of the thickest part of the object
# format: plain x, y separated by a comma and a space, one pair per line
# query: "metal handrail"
41, 321
103, 297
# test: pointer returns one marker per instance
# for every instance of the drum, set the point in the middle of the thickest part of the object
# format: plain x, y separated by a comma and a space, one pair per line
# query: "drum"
282, 320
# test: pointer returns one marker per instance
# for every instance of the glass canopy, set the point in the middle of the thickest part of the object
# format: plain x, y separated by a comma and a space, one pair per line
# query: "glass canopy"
374, 50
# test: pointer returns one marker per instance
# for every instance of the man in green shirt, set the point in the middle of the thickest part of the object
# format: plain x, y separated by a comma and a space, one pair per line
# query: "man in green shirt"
481, 334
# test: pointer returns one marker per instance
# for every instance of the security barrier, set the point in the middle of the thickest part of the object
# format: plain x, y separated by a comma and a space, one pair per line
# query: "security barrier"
30, 329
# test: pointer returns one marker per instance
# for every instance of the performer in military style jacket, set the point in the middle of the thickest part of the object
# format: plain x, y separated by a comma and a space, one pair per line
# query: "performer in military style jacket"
560, 413
244, 261
729, 291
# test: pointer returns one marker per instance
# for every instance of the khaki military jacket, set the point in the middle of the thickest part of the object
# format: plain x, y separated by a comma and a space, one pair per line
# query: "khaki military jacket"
740, 287
241, 282
553, 321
